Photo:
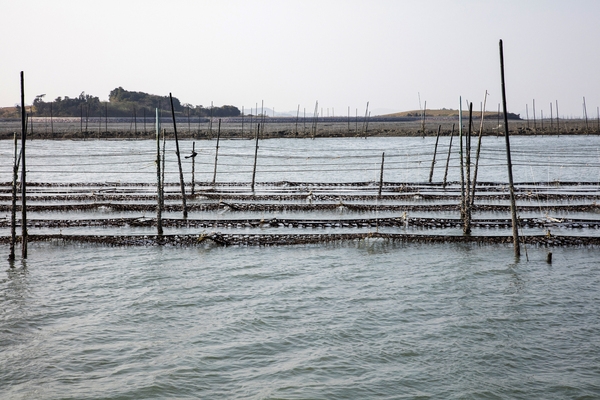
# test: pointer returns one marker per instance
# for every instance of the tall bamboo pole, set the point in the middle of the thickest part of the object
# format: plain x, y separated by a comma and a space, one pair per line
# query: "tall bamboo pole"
13, 214
217, 152
557, 126
448, 159
159, 226
181, 182
534, 123
478, 150
381, 175
193, 156
467, 224
437, 138
255, 157
585, 114
513, 206
462, 168
23, 173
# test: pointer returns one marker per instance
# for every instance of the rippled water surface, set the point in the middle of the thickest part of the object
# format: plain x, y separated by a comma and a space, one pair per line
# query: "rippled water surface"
368, 319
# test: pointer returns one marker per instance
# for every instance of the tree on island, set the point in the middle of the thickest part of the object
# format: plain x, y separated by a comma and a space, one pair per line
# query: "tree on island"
123, 103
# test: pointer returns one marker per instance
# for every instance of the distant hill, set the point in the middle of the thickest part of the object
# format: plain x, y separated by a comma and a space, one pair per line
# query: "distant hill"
448, 113
121, 103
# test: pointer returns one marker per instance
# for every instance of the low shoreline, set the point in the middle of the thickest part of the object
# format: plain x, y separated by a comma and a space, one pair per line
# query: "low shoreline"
291, 128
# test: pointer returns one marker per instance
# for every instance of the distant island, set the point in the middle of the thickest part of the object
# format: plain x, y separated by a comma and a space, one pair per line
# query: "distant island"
121, 103
449, 113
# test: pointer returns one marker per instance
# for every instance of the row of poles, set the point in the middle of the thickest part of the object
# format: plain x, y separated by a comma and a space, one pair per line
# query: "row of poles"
160, 165
467, 195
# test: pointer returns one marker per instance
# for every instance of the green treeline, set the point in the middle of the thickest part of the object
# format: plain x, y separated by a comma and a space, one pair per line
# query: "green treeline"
123, 103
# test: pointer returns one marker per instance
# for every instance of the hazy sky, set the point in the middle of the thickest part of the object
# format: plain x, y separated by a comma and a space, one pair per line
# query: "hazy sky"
290, 53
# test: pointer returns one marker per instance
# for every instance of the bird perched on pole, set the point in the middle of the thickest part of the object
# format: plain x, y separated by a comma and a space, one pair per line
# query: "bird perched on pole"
194, 154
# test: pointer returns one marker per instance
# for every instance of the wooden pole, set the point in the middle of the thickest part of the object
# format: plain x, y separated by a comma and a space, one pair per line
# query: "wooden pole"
193, 168
13, 214
448, 159
23, 173
437, 138
181, 182
217, 152
585, 114
381, 174
467, 224
162, 170
513, 206
551, 118
134, 121
105, 117
242, 122
462, 168
534, 123
478, 150
159, 185
255, 157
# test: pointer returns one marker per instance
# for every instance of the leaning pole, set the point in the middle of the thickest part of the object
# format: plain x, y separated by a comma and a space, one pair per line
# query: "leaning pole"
513, 207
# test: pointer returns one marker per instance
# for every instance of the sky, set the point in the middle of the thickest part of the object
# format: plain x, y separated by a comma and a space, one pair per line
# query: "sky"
396, 55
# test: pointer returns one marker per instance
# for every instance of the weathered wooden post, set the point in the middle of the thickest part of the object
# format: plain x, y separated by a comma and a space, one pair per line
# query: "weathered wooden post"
437, 138
13, 214
217, 152
181, 182
255, 157
159, 191
23, 173
448, 159
462, 168
513, 206
478, 151
381, 175
193, 168
467, 223
557, 126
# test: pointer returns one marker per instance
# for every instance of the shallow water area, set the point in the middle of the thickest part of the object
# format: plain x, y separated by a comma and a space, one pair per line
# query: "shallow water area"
357, 320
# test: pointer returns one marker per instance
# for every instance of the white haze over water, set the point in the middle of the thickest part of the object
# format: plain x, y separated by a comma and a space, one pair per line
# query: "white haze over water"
290, 54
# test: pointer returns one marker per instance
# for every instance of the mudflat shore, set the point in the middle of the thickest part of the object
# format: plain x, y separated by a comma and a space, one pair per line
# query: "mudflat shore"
246, 128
